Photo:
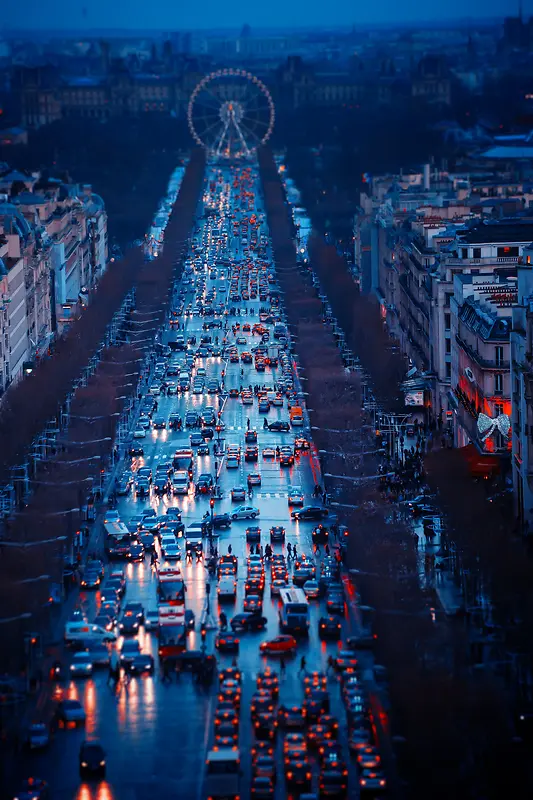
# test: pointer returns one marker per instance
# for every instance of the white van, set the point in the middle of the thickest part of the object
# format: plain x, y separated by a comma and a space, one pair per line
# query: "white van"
80, 631
227, 588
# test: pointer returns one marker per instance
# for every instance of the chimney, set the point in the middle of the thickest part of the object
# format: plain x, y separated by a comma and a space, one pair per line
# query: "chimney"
426, 178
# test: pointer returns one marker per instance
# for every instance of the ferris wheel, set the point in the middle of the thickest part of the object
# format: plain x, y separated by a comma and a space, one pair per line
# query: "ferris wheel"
231, 113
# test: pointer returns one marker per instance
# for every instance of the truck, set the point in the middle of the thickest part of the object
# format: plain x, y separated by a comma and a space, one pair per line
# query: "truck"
223, 773
296, 415
294, 612
181, 482
171, 587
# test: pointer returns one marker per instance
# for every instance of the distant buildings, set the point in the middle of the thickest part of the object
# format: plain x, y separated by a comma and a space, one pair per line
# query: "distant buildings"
53, 249
449, 267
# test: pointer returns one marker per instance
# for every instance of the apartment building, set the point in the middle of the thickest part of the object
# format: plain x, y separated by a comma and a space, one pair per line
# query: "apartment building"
54, 249
13, 317
522, 393
481, 322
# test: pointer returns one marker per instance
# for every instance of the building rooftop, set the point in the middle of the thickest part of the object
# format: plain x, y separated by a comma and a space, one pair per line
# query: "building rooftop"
494, 232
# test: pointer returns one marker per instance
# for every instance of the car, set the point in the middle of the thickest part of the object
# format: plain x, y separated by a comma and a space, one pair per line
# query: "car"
269, 452
221, 521
140, 663
136, 609
298, 775
266, 725
136, 552
33, 789
130, 648
245, 512
279, 426
203, 450
253, 534
238, 493
295, 496
368, 758
151, 620
135, 450
227, 643
254, 479
372, 780
172, 552
310, 513
111, 516
139, 433
81, 665
70, 711
232, 462
279, 645
276, 585
90, 579
277, 533
129, 624
252, 603
247, 621
250, 437
159, 423
92, 759
38, 736
335, 603
311, 589
262, 788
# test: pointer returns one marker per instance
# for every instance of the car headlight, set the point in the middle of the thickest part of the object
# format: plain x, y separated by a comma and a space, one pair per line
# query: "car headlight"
102, 763
84, 764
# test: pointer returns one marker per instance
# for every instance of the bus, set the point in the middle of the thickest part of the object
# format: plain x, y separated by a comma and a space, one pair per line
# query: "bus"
171, 587
171, 631
294, 612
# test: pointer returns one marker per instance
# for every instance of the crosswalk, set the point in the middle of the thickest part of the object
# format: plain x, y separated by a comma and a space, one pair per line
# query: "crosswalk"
267, 495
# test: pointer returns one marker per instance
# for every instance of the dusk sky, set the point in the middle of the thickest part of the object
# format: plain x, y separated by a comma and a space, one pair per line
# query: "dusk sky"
180, 15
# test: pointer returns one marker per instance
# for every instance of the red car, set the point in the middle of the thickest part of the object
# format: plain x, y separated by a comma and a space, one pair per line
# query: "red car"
280, 644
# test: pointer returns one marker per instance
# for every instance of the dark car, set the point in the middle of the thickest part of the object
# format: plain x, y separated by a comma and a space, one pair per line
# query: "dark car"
136, 609
253, 534
174, 422
248, 622
136, 450
140, 663
320, 535
309, 513
92, 759
329, 627
277, 533
227, 643
221, 521
136, 552
279, 426
129, 624
250, 437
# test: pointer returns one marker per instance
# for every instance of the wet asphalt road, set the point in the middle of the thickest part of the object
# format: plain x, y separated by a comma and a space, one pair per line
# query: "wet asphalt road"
156, 734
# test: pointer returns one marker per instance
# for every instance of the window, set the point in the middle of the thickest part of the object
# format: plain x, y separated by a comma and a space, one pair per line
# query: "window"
476, 252
498, 409
447, 298
498, 383
448, 346
447, 321
448, 370
507, 252
498, 354
464, 252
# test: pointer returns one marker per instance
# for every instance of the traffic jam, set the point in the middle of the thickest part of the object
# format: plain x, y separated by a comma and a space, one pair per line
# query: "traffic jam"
217, 620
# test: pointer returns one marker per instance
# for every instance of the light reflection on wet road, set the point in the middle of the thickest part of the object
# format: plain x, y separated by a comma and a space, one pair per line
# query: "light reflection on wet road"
156, 734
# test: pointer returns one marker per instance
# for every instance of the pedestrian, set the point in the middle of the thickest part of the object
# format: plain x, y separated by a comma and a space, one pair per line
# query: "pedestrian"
230, 549
317, 549
248, 423
282, 667
303, 664
325, 497
326, 549
331, 664
289, 551
166, 671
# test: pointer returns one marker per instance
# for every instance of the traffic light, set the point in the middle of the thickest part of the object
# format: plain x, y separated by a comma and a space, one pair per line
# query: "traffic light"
212, 502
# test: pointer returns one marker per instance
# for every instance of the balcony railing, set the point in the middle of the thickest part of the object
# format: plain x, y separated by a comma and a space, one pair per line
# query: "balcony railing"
485, 363
467, 262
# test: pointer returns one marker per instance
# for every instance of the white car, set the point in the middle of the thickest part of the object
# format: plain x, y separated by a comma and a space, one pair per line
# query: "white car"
311, 589
245, 512
151, 620
295, 496
111, 516
155, 390
172, 552
139, 433
232, 462
81, 666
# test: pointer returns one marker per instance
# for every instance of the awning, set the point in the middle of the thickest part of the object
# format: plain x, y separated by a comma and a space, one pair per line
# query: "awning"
481, 465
